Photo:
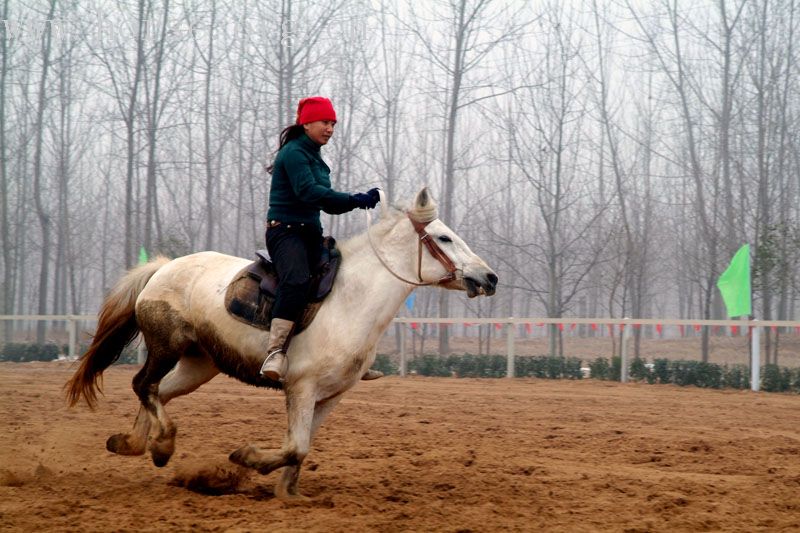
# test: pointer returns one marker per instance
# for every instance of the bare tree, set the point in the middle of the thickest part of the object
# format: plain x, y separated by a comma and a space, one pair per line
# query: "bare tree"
43, 214
473, 32
6, 290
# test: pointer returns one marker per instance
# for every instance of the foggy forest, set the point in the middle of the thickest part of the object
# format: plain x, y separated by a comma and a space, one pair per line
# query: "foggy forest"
606, 158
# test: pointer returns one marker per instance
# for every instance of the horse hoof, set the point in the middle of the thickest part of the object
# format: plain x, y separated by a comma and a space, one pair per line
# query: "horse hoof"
117, 442
161, 451
120, 444
160, 459
239, 456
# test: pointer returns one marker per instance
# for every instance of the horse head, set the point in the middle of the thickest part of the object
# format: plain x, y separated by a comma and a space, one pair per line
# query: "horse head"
442, 257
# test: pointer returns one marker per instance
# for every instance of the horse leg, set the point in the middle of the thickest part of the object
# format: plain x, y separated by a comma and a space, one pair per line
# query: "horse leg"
151, 412
286, 488
135, 442
190, 372
187, 376
300, 402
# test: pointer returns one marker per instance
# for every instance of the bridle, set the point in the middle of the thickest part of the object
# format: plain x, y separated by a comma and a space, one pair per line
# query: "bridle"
433, 248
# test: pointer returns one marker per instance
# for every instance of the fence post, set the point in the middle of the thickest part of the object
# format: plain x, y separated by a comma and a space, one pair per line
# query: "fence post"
510, 348
402, 350
624, 354
73, 338
755, 348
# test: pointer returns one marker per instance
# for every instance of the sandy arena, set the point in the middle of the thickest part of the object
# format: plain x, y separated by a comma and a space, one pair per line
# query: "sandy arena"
413, 454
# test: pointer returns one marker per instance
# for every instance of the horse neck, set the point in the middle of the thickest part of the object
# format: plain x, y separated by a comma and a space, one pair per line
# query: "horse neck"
375, 291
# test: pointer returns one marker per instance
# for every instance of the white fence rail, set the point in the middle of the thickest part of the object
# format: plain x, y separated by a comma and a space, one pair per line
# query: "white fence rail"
508, 324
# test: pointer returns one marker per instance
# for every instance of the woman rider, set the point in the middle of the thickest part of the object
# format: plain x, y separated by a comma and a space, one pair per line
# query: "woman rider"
301, 187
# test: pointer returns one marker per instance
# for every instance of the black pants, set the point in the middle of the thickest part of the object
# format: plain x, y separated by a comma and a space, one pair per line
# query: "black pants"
295, 251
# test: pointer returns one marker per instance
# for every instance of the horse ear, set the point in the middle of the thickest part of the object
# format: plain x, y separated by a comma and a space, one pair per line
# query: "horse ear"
425, 208
423, 199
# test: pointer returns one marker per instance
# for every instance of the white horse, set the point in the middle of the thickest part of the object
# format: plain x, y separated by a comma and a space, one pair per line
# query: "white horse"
178, 306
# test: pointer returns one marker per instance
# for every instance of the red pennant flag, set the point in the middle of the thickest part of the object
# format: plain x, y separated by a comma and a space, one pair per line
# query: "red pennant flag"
528, 327
797, 329
560, 327
621, 329
572, 327
774, 329
697, 327
659, 329
611, 329
498, 326
540, 324
594, 327
414, 325
734, 330
681, 327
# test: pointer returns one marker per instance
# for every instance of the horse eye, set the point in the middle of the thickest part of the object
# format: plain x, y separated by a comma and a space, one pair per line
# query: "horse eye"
445, 238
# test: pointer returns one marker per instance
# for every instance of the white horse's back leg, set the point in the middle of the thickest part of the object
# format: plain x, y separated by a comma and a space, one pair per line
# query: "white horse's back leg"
187, 376
151, 413
168, 338
135, 442
190, 373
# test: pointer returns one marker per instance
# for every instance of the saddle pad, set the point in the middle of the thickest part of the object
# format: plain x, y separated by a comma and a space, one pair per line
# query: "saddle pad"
246, 303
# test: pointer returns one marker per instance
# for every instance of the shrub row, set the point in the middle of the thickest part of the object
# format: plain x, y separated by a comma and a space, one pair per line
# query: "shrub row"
22, 352
697, 373
494, 366
774, 378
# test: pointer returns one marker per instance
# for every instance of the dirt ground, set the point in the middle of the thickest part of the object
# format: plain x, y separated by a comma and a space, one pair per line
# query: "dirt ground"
412, 454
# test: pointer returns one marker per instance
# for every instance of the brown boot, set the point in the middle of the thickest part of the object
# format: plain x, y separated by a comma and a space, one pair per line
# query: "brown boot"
274, 366
371, 374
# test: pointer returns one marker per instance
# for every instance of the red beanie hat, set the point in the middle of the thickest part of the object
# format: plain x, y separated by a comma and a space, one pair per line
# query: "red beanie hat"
315, 108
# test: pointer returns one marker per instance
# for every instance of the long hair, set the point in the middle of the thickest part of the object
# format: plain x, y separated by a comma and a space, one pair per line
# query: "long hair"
289, 133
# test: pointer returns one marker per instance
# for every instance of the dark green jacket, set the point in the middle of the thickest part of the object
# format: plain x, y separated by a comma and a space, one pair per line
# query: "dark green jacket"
301, 185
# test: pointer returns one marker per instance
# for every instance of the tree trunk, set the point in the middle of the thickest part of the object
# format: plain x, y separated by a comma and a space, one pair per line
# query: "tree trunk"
41, 211
7, 284
130, 123
209, 60
151, 189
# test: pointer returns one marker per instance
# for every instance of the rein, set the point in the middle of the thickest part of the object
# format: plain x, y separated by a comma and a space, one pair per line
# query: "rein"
432, 247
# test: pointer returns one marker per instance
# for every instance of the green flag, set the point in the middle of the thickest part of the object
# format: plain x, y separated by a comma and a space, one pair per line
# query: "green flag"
734, 284
142, 256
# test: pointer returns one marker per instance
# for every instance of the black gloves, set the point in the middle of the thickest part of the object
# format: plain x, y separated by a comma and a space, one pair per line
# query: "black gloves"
366, 200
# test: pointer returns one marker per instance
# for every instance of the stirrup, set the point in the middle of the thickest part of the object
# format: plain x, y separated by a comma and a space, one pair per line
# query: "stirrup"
276, 358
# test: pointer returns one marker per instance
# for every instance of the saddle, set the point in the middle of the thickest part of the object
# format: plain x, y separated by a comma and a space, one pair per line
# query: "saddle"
251, 294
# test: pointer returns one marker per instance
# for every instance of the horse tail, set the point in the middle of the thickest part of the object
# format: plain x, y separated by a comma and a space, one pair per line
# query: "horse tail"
116, 328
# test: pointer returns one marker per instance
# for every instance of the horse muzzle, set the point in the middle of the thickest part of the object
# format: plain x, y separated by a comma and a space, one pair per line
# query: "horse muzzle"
485, 284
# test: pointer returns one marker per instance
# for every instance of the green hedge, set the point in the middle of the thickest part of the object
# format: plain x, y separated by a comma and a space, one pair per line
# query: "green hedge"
21, 352
385, 365
492, 366
699, 374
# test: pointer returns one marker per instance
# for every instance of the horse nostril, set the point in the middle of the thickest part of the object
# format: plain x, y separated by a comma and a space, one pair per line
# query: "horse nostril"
492, 279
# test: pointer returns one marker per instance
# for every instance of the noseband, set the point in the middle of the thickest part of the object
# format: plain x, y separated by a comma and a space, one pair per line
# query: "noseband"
433, 248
